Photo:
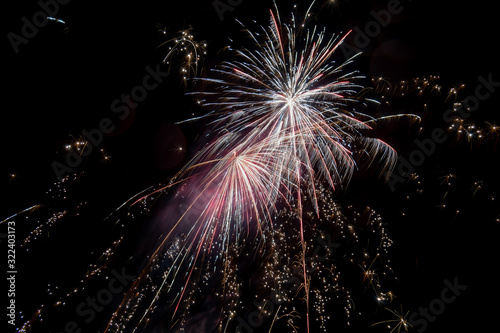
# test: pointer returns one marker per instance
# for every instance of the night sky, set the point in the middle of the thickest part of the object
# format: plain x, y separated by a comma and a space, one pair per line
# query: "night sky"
64, 80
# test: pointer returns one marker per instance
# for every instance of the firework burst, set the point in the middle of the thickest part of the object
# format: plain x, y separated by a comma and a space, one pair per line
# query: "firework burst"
267, 227
184, 52
284, 121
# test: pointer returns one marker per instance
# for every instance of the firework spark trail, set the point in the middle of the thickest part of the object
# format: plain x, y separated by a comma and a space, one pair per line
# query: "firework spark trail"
284, 122
29, 209
244, 191
290, 95
186, 48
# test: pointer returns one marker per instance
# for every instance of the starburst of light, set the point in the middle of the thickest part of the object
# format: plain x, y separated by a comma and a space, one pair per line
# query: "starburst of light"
284, 121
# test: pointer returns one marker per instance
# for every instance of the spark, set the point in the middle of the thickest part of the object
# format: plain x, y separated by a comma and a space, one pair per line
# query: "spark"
29, 209
400, 319
50, 18
190, 53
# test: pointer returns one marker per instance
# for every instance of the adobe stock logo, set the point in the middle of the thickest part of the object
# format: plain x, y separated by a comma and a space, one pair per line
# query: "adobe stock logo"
29, 29
428, 146
267, 308
120, 107
222, 6
92, 305
429, 314
381, 19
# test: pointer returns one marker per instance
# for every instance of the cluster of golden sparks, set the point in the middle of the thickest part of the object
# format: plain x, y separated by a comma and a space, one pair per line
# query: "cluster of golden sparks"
184, 53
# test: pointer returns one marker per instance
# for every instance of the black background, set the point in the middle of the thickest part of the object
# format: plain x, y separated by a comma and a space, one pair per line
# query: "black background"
62, 82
